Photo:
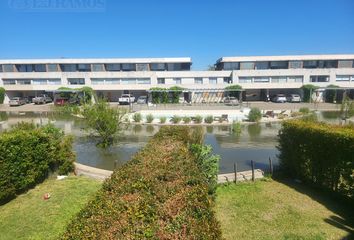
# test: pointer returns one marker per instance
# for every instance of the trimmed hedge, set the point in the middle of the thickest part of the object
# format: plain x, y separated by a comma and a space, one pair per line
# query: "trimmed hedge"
161, 193
2, 95
319, 153
28, 154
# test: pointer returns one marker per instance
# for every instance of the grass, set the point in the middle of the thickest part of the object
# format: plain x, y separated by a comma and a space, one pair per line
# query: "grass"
30, 217
273, 210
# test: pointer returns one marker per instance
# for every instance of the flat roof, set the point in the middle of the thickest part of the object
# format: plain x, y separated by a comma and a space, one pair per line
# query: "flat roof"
96, 60
287, 58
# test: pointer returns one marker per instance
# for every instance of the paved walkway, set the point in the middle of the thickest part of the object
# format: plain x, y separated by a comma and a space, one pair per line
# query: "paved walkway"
97, 173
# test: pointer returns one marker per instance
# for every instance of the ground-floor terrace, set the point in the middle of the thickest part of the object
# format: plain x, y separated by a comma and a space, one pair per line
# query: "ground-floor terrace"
198, 96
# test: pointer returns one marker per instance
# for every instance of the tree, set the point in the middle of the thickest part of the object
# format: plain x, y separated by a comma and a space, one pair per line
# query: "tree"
104, 121
308, 89
175, 92
234, 91
2, 95
347, 107
211, 67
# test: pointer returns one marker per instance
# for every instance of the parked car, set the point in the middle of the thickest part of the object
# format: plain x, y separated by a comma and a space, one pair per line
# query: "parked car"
29, 99
293, 98
279, 98
142, 100
17, 101
231, 101
126, 99
42, 99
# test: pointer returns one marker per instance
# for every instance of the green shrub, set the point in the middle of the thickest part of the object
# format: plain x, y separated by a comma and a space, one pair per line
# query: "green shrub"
2, 95
308, 89
198, 119
318, 153
28, 154
175, 93
149, 118
304, 110
176, 119
158, 194
209, 119
236, 128
255, 115
137, 117
162, 119
187, 120
159, 95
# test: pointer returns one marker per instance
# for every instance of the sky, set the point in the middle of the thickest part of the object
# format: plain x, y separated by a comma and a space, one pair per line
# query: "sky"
204, 30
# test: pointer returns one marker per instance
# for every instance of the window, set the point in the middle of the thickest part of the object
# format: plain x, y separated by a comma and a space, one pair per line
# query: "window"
8, 67
246, 65
198, 80
345, 63
68, 67
262, 65
142, 67
112, 81
128, 67
9, 81
113, 67
298, 79
261, 79
327, 64
24, 67
97, 67
0, 68
279, 79
295, 64
310, 64
178, 66
24, 81
342, 78
52, 67
177, 80
213, 80
231, 66
319, 78
40, 68
352, 78
227, 80
279, 64
128, 80
54, 81
84, 67
245, 79
97, 81
160, 81
39, 81
144, 81
76, 81
157, 67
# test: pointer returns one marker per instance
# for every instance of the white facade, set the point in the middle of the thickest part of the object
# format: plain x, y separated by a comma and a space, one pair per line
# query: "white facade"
17, 78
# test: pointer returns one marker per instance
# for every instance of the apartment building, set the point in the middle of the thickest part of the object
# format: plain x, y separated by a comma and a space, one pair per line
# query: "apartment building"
259, 76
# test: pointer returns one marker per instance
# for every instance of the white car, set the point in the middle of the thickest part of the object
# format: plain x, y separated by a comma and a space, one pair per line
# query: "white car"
294, 98
17, 101
126, 99
279, 98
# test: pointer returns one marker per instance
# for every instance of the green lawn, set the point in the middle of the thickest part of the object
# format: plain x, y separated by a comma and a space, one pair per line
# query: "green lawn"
30, 217
273, 210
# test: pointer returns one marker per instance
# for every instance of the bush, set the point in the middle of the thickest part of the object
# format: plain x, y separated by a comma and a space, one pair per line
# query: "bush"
304, 110
176, 119
175, 93
2, 95
158, 194
28, 154
162, 119
255, 115
103, 121
236, 128
198, 119
318, 153
187, 120
308, 89
149, 118
209, 119
137, 117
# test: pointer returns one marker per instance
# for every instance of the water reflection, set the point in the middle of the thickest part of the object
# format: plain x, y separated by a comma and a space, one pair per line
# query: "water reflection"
255, 142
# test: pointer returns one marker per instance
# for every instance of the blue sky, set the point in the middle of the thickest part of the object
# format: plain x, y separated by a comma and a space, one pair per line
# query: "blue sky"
204, 30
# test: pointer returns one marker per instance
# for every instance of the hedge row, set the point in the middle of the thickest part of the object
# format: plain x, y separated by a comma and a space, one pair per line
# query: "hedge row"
161, 193
28, 154
319, 153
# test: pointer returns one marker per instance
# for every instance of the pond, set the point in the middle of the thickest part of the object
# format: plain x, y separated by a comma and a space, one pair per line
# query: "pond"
256, 142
